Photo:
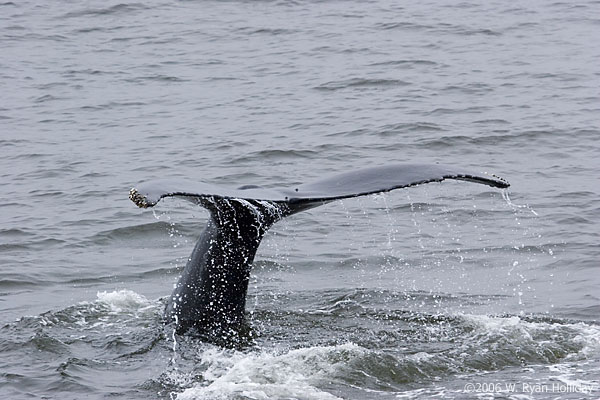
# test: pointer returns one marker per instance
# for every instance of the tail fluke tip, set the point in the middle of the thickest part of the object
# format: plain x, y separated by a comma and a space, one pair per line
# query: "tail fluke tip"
503, 182
140, 200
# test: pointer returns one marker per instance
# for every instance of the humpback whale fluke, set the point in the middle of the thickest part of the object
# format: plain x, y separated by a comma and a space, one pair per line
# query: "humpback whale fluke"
211, 293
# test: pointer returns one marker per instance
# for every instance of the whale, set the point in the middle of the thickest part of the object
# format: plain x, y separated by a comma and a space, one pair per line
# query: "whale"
210, 295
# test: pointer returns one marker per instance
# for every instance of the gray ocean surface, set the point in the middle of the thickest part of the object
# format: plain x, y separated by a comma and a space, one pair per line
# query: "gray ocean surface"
446, 290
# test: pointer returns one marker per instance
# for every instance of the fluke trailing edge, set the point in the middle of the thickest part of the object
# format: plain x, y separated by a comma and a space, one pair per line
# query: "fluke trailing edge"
211, 293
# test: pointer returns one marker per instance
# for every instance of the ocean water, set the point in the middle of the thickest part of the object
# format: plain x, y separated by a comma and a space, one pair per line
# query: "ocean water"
446, 290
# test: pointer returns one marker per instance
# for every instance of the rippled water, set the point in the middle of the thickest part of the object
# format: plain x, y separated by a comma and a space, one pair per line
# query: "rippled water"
421, 293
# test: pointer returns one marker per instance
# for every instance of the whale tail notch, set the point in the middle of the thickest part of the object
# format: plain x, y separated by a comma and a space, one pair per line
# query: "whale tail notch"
211, 292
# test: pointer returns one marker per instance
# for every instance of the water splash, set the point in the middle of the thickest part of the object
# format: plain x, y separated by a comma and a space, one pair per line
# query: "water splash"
392, 229
174, 232
514, 206
275, 374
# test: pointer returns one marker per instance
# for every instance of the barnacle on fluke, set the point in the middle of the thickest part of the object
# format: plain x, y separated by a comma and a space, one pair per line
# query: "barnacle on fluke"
138, 199
499, 178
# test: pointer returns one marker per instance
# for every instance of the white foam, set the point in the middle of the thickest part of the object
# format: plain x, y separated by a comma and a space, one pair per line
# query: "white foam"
269, 375
304, 373
490, 324
585, 335
589, 338
124, 301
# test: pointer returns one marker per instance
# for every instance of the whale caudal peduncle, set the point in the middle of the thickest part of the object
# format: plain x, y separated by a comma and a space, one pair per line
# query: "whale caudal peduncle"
211, 292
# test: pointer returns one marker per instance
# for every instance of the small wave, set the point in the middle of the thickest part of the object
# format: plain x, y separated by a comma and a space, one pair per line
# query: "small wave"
265, 31
116, 308
451, 111
123, 301
508, 138
36, 36
87, 71
276, 155
45, 244
112, 105
15, 233
405, 62
19, 282
90, 29
440, 27
45, 98
534, 339
117, 9
128, 232
375, 304
469, 88
402, 25
481, 31
361, 83
492, 121
158, 78
390, 130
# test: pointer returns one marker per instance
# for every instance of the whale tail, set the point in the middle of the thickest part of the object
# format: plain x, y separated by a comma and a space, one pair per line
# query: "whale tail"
211, 292
337, 187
